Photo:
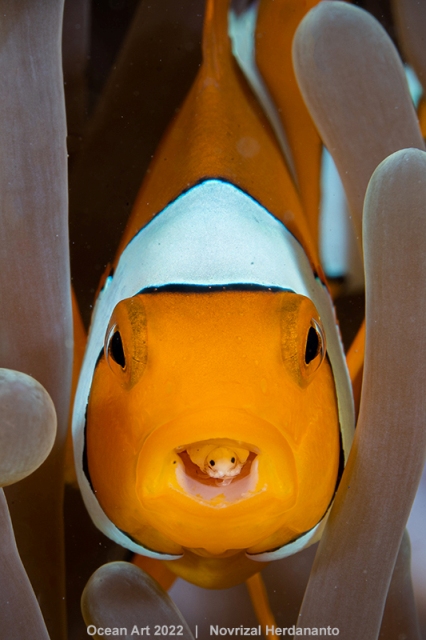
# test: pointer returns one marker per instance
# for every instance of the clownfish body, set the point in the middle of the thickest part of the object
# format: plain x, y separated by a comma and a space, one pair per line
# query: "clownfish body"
214, 413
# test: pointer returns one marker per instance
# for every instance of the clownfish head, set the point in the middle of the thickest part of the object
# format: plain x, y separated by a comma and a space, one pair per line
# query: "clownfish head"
212, 423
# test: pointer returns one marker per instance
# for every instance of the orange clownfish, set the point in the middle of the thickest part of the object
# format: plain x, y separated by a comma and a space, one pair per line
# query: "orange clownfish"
214, 413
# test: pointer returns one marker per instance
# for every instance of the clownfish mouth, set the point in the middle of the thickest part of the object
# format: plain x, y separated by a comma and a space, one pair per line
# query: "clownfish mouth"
217, 469
221, 470
202, 493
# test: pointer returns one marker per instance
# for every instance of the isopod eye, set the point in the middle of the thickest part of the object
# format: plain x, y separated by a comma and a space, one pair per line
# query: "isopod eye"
126, 341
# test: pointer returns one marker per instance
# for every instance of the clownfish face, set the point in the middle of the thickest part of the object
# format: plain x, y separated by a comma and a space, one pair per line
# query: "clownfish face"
212, 421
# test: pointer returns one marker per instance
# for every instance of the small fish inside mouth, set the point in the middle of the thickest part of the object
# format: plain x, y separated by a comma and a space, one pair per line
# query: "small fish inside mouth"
216, 464
220, 462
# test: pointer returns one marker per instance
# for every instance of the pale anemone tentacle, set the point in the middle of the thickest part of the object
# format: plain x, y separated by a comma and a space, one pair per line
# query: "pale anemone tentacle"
27, 434
342, 33
27, 426
120, 595
400, 613
410, 22
376, 491
20, 614
35, 313
346, 65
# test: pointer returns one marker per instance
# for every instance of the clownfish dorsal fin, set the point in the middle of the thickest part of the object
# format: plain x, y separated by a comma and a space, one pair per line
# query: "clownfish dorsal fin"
216, 43
276, 25
220, 132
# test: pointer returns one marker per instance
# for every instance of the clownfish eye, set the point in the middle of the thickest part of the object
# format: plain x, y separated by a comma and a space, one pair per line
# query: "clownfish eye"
315, 343
115, 349
125, 345
303, 343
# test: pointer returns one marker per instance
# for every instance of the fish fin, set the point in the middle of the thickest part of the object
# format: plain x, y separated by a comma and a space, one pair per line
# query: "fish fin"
421, 112
336, 287
156, 569
276, 25
355, 362
221, 132
260, 602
